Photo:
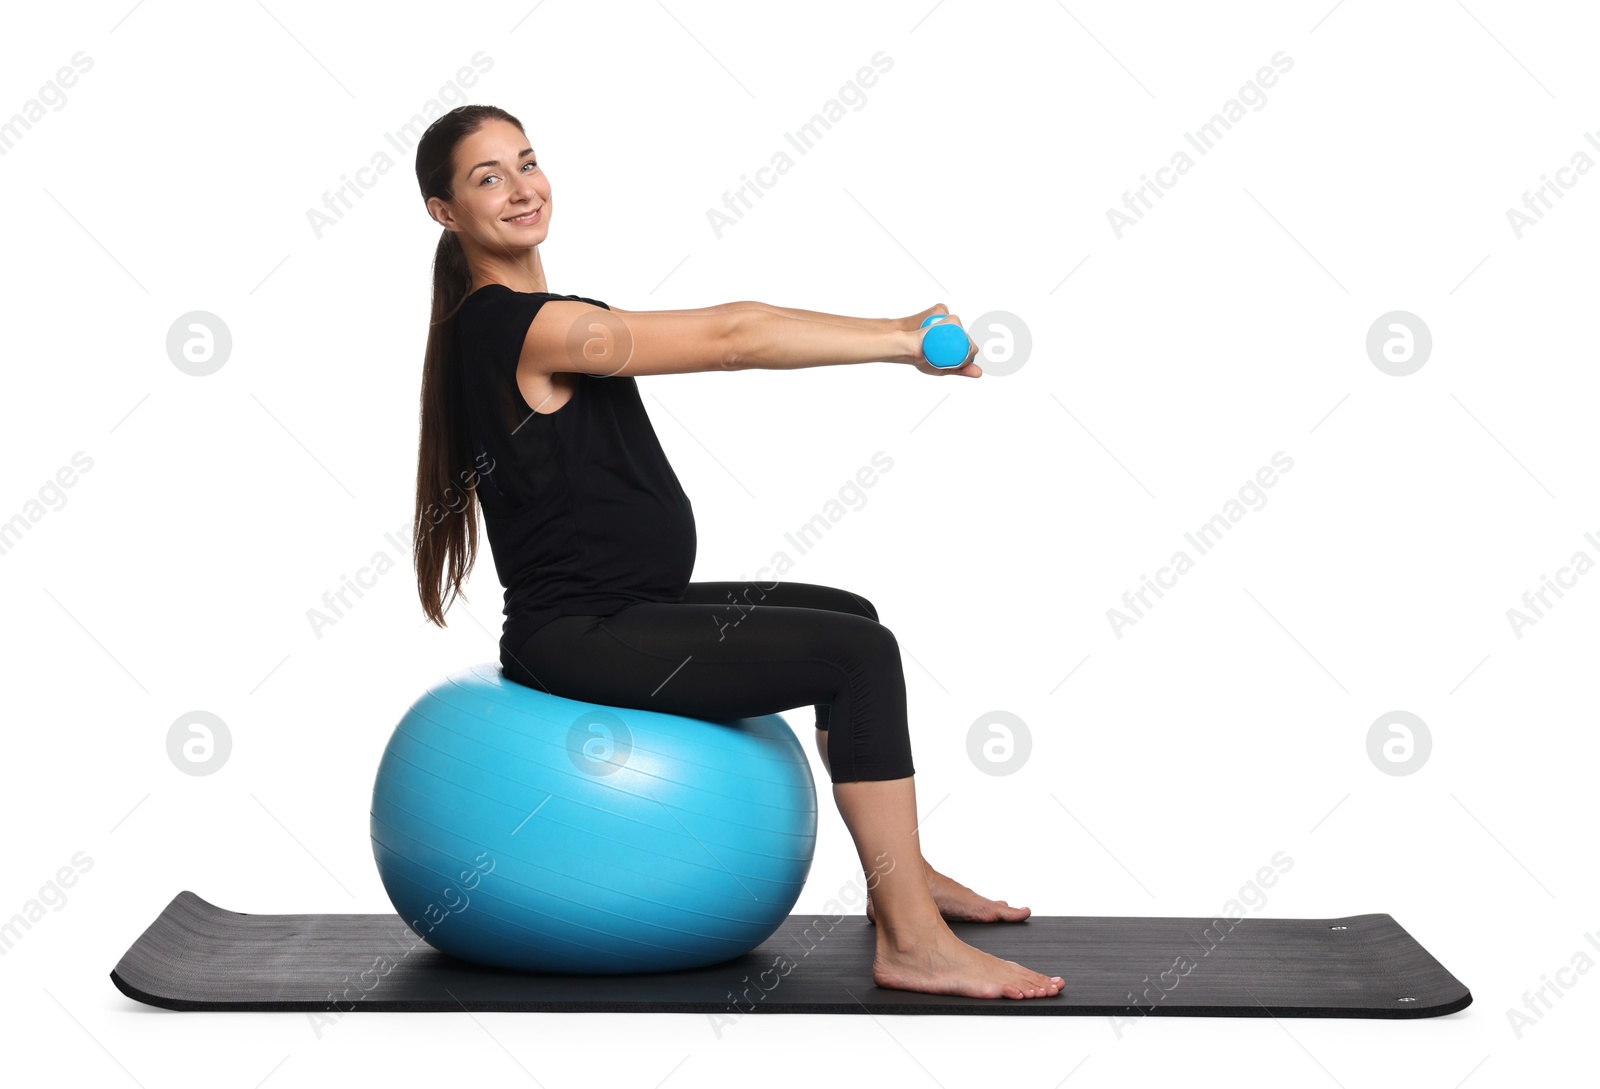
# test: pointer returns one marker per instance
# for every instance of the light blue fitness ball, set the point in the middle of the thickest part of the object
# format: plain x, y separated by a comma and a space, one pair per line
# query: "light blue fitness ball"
518, 829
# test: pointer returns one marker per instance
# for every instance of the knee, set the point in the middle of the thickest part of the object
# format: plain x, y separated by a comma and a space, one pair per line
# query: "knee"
881, 643
852, 640
867, 608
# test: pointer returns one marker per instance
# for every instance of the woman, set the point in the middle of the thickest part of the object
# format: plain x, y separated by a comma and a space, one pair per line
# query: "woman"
529, 407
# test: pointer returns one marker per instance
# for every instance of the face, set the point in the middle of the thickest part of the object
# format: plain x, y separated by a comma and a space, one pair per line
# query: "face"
502, 197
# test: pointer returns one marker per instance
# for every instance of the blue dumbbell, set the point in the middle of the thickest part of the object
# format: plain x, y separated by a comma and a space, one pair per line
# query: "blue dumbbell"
945, 344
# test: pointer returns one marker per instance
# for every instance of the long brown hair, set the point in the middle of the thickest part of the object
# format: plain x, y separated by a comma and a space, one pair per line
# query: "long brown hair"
444, 537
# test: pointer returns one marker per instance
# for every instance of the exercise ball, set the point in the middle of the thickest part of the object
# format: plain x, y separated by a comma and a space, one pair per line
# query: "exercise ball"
518, 829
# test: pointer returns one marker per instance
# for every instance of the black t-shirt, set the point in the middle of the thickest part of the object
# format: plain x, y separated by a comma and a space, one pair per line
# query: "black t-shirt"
583, 511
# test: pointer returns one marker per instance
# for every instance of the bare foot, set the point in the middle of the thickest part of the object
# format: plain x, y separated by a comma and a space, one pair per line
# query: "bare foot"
958, 902
941, 963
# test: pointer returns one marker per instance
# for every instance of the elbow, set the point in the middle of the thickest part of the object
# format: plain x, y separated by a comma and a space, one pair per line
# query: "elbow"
738, 351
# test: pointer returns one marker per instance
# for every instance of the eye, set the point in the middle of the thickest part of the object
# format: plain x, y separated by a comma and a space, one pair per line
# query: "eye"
485, 179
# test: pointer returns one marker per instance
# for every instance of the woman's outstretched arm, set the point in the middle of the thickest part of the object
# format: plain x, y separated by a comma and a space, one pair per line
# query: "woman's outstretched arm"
774, 340
771, 339
911, 322
578, 337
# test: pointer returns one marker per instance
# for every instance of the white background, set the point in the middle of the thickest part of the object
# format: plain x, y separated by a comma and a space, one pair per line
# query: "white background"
1228, 724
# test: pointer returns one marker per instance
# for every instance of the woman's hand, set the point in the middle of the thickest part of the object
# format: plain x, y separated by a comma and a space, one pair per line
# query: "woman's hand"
915, 320
913, 325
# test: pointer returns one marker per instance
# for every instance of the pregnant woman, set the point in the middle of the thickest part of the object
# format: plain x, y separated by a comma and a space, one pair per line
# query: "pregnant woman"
530, 408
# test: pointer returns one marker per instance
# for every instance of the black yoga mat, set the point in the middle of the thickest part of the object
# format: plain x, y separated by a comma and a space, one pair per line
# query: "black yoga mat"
197, 956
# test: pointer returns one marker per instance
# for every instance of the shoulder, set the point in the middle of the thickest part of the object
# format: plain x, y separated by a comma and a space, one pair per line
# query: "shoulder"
500, 319
500, 301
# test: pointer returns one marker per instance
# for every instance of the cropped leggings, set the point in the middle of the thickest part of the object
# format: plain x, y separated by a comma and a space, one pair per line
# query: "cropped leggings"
738, 650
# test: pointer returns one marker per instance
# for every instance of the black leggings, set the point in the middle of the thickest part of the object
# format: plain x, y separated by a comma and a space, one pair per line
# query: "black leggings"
738, 650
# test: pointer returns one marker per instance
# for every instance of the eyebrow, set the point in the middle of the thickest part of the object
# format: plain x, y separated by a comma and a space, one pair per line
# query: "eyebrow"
496, 162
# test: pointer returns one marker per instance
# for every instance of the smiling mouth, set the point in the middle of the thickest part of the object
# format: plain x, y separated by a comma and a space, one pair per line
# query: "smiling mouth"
528, 217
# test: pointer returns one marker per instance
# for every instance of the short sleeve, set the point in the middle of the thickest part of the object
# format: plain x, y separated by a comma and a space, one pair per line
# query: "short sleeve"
502, 320
491, 328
